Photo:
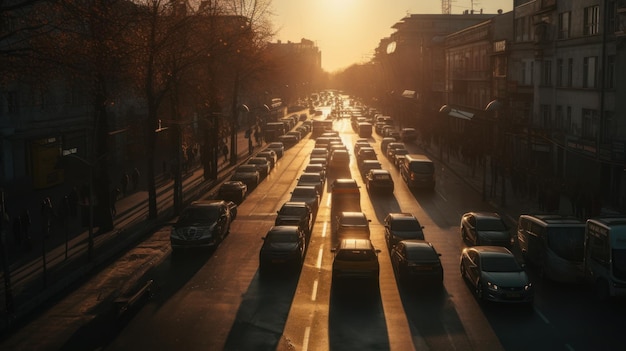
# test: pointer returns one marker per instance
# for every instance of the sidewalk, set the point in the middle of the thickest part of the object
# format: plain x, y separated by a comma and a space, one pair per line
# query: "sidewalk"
56, 263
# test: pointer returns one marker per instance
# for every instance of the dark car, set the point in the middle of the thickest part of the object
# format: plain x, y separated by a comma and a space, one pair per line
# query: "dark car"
355, 259
402, 226
485, 228
365, 153
201, 224
270, 155
295, 213
417, 261
233, 190
408, 135
366, 165
277, 147
306, 194
339, 160
379, 181
398, 157
248, 174
345, 195
391, 148
283, 245
288, 140
262, 165
312, 179
352, 225
495, 275
316, 168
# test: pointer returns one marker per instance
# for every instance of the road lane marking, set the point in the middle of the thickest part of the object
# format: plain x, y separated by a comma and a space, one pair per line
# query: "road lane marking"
314, 293
545, 319
324, 229
305, 341
328, 200
318, 265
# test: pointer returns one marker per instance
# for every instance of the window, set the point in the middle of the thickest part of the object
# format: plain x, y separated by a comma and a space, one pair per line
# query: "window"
568, 118
564, 25
612, 17
590, 124
523, 29
589, 72
546, 72
610, 72
609, 129
558, 117
559, 72
592, 20
12, 102
570, 72
546, 118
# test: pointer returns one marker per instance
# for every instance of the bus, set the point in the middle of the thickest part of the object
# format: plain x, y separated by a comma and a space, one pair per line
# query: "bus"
554, 245
605, 256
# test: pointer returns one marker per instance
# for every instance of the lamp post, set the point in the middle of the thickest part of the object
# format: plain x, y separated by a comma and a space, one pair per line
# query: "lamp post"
495, 106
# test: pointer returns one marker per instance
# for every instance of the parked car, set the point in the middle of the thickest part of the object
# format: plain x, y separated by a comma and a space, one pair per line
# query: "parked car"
417, 262
277, 147
316, 168
233, 190
306, 194
262, 165
495, 275
312, 179
485, 228
248, 174
201, 224
270, 155
295, 213
355, 259
402, 226
353, 225
379, 181
283, 245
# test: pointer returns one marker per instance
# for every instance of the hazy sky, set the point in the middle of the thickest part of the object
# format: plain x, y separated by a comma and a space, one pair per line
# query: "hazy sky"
348, 31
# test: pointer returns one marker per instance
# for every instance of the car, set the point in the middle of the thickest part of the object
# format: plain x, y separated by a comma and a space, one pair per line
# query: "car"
355, 259
288, 140
398, 157
495, 275
408, 135
319, 152
316, 168
359, 145
365, 153
306, 194
233, 190
201, 224
485, 228
295, 133
339, 160
295, 213
283, 245
417, 262
313, 179
262, 165
352, 225
277, 147
394, 134
345, 195
248, 174
379, 181
270, 155
320, 161
383, 144
401, 226
393, 146
366, 165
391, 153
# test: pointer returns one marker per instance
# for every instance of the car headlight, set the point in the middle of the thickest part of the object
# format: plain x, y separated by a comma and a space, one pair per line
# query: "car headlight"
528, 286
492, 286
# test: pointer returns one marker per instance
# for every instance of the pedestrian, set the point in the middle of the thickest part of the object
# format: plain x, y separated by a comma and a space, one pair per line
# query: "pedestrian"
225, 152
115, 193
46, 217
124, 183
135, 179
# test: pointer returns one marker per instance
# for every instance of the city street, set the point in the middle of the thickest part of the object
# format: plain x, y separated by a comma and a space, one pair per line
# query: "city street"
214, 300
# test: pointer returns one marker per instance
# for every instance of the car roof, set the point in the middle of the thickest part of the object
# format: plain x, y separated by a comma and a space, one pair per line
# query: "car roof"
380, 171
283, 229
484, 215
355, 244
352, 214
491, 251
233, 183
417, 243
345, 182
305, 187
207, 203
275, 144
294, 204
401, 216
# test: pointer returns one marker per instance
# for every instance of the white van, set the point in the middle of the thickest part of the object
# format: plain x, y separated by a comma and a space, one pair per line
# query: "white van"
605, 255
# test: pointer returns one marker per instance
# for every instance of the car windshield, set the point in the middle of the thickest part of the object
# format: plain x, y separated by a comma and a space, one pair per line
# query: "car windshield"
356, 255
382, 176
402, 152
567, 243
491, 224
354, 221
406, 226
276, 237
292, 211
199, 214
303, 193
421, 254
310, 178
500, 264
246, 169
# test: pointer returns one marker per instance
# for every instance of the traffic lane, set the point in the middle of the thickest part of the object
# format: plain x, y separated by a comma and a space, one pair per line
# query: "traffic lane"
209, 308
